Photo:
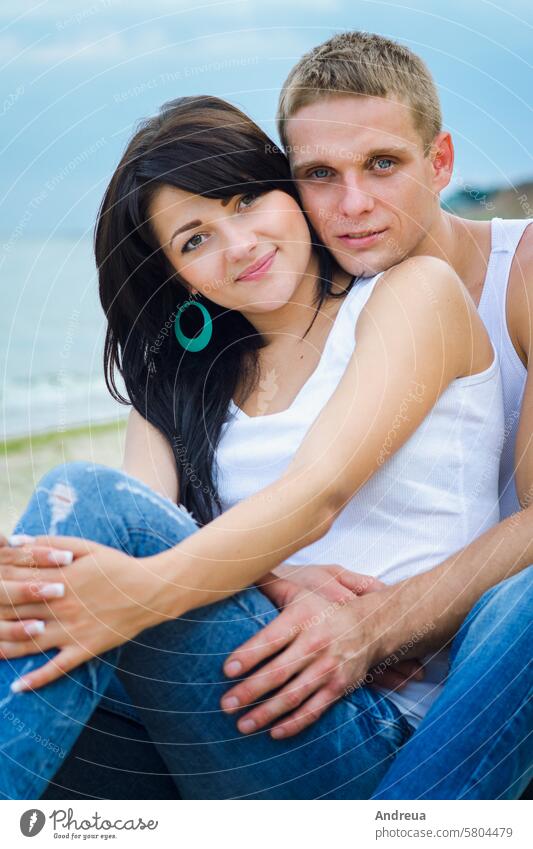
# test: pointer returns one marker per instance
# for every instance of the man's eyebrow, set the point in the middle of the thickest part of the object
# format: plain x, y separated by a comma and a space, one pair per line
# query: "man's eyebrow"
384, 150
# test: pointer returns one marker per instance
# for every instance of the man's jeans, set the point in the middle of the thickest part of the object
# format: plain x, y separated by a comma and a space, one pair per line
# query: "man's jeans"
472, 744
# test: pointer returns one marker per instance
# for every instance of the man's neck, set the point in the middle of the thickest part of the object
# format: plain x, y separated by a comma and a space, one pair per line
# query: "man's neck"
464, 244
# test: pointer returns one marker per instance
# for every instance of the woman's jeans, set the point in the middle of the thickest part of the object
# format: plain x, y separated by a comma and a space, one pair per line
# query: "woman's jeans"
472, 744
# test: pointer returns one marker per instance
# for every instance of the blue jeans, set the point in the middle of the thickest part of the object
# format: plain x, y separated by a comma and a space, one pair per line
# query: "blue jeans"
172, 675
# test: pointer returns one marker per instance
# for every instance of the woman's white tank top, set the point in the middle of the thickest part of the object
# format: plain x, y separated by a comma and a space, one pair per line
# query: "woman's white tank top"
505, 236
433, 496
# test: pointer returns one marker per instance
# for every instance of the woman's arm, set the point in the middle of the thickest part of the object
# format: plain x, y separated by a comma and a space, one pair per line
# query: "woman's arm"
418, 332
148, 456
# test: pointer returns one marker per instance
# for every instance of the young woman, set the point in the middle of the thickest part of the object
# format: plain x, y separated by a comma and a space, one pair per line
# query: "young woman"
293, 413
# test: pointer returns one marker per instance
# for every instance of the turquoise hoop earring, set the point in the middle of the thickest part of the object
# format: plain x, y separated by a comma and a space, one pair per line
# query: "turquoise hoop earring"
198, 343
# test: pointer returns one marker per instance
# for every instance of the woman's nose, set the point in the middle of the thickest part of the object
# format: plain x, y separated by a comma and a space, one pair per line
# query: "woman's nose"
240, 244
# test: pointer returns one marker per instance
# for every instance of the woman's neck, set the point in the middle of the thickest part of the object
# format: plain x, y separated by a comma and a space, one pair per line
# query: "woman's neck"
291, 321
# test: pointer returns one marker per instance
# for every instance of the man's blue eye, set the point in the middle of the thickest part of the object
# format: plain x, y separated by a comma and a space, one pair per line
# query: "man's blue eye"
383, 164
320, 173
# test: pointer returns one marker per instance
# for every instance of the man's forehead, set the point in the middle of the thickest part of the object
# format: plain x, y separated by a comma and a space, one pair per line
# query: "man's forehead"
334, 125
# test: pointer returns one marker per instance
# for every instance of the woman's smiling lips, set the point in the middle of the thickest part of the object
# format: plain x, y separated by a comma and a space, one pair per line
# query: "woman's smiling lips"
258, 268
362, 240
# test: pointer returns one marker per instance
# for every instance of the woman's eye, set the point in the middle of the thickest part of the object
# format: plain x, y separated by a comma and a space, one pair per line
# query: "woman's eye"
247, 200
383, 164
194, 242
319, 173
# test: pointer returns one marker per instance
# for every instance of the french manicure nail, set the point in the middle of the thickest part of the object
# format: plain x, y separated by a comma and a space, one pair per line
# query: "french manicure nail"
18, 686
59, 557
52, 591
33, 628
247, 726
230, 702
233, 668
19, 539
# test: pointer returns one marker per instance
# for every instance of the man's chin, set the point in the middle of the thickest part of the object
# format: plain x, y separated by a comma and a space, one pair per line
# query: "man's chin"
363, 266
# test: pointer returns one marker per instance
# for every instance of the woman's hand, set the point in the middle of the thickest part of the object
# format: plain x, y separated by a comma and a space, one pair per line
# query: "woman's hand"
106, 602
332, 582
21, 599
323, 651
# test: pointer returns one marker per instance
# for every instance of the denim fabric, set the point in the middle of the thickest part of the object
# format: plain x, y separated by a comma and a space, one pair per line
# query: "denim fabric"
113, 758
173, 680
173, 674
476, 741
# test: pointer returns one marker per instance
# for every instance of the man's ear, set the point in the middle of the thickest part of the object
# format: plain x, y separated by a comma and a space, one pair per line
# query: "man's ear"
441, 155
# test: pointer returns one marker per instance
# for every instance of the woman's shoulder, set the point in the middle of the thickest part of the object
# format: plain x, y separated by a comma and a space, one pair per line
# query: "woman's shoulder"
423, 286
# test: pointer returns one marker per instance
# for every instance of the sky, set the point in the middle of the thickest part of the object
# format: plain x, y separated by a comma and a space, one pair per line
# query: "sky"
77, 76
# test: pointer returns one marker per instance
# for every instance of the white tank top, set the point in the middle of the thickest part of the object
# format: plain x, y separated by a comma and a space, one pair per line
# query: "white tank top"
492, 309
431, 498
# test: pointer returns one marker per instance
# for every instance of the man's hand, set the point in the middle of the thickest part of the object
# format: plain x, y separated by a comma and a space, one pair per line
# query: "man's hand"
323, 649
284, 586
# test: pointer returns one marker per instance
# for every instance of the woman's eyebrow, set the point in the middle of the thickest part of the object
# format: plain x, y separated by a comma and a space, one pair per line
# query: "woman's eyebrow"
189, 226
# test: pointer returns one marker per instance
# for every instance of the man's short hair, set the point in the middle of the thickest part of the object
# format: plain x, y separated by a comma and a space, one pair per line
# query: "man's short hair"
363, 63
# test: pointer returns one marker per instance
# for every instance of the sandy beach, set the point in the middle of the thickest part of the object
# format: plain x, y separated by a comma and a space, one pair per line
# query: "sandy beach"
23, 461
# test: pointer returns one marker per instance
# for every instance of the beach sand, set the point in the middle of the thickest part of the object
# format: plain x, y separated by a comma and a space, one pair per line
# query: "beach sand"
24, 461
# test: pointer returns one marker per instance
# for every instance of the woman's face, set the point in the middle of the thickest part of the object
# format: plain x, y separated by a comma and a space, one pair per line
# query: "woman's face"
248, 253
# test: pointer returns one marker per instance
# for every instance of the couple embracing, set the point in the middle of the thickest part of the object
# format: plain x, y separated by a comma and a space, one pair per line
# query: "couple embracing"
310, 577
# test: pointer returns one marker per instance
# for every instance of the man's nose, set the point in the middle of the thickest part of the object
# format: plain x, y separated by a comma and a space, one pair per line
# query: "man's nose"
354, 201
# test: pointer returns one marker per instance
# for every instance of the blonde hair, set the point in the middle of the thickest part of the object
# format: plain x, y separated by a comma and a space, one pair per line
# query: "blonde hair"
362, 63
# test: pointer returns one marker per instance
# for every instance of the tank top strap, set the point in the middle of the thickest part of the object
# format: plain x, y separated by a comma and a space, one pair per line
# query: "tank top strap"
505, 236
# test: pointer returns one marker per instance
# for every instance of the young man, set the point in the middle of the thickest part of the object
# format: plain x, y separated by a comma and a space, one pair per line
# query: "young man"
360, 120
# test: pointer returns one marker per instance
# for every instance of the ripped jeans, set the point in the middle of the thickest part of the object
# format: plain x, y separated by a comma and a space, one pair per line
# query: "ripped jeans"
170, 678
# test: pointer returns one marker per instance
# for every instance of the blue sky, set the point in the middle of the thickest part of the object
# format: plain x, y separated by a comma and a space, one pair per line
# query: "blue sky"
78, 74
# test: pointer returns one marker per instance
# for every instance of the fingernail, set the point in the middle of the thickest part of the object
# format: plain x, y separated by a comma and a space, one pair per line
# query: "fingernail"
32, 628
60, 558
277, 733
52, 591
230, 702
19, 685
233, 668
19, 539
246, 726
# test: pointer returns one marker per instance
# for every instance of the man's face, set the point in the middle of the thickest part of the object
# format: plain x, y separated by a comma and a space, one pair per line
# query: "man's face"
366, 186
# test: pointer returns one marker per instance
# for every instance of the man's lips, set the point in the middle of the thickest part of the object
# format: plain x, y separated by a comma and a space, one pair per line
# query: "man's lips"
259, 267
361, 238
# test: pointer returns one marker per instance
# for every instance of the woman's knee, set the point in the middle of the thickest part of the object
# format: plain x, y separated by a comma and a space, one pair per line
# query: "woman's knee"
75, 476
